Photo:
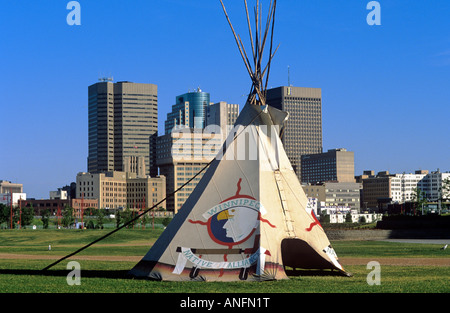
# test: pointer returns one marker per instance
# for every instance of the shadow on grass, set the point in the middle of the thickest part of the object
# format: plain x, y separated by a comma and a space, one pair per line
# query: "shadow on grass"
122, 274
300, 272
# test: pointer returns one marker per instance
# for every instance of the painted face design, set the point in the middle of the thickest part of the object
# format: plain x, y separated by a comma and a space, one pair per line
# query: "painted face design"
238, 222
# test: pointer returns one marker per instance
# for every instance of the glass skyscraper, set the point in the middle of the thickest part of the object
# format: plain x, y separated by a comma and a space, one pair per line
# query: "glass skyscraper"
188, 112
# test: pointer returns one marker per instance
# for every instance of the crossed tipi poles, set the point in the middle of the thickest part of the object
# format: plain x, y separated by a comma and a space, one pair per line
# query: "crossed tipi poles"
258, 75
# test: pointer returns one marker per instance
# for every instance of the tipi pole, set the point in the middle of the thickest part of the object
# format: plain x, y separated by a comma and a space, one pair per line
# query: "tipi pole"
258, 43
237, 41
250, 32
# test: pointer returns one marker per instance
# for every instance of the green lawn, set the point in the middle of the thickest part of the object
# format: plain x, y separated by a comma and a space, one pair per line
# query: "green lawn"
388, 249
25, 276
63, 242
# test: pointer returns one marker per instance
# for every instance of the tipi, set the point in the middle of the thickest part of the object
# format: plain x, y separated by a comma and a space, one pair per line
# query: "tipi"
248, 218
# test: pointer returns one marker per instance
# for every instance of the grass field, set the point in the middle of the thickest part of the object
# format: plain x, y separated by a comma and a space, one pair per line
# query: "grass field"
104, 266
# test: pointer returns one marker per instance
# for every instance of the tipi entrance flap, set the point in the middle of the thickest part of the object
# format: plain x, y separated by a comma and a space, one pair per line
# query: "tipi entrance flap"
297, 253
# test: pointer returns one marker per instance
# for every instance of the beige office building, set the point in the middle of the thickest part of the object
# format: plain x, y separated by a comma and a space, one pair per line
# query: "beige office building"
222, 114
303, 130
119, 190
122, 118
9, 187
336, 165
145, 192
181, 155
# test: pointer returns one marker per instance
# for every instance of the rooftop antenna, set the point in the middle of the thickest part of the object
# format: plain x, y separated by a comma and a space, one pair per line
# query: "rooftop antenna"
289, 76
257, 74
105, 79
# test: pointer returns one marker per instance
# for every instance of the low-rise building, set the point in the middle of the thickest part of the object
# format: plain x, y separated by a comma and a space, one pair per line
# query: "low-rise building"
145, 192
333, 194
59, 194
56, 206
5, 198
119, 190
385, 188
9, 187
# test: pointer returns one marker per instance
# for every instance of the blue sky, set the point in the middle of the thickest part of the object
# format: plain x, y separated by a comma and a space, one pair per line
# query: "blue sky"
385, 88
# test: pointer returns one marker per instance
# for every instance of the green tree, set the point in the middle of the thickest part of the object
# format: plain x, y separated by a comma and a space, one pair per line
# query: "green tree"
16, 216
27, 216
419, 200
90, 225
67, 216
444, 189
128, 215
144, 220
118, 218
166, 221
24, 215
348, 218
87, 211
4, 213
325, 218
45, 218
100, 218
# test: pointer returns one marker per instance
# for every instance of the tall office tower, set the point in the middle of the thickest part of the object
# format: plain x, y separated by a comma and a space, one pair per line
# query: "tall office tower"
303, 130
136, 165
188, 112
122, 118
222, 114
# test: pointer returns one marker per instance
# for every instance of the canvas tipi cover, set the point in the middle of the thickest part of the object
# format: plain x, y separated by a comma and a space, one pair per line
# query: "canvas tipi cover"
247, 218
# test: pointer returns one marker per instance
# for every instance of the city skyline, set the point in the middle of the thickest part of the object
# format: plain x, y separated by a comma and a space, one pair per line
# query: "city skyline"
384, 88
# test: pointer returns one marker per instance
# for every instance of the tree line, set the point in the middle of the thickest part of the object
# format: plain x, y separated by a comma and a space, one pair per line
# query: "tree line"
95, 218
